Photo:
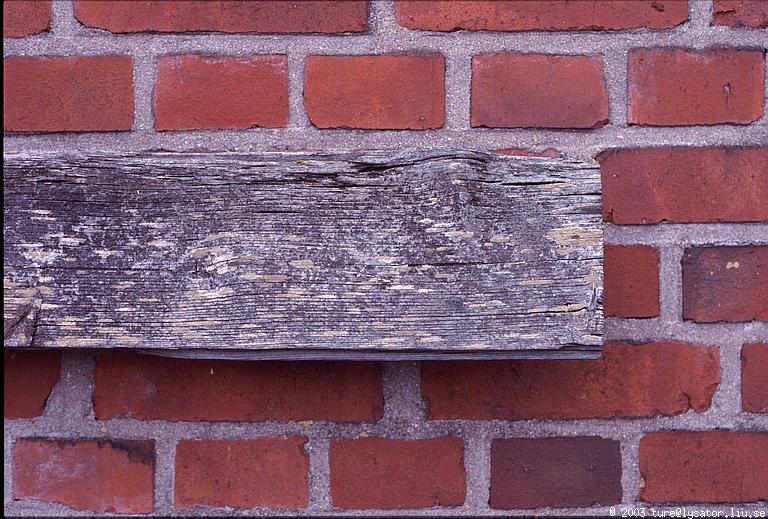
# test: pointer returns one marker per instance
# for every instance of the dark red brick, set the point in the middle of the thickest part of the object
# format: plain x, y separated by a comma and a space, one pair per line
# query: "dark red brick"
754, 378
298, 16
381, 473
25, 17
212, 92
154, 388
538, 91
725, 284
67, 94
28, 378
105, 476
631, 281
741, 13
631, 380
388, 92
555, 472
540, 15
704, 467
264, 472
685, 185
677, 87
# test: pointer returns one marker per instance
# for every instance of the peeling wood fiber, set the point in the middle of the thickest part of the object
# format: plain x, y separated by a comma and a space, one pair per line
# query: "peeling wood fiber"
432, 252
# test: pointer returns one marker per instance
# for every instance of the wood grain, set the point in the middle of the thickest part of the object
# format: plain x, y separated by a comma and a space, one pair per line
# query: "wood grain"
284, 255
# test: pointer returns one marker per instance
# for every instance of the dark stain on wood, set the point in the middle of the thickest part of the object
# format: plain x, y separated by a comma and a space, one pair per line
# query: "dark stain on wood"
284, 255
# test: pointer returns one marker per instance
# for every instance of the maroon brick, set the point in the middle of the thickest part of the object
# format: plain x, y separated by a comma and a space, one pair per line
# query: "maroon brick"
677, 87
631, 281
298, 16
754, 382
25, 17
540, 15
631, 380
725, 284
381, 473
67, 94
105, 476
704, 467
154, 388
265, 472
388, 92
28, 379
555, 472
212, 92
741, 13
685, 185
538, 90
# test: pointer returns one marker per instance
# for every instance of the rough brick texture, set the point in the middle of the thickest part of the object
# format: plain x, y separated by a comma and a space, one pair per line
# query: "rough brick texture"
67, 94
631, 281
28, 378
25, 17
741, 13
540, 15
725, 284
370, 473
538, 91
664, 378
149, 388
555, 472
264, 472
754, 381
214, 92
98, 476
676, 87
704, 467
685, 185
301, 16
375, 92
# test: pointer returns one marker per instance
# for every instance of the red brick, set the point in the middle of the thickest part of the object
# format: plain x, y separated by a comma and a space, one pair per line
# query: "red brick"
704, 467
28, 378
685, 185
113, 476
25, 17
153, 388
754, 382
631, 380
741, 13
524, 152
67, 94
725, 284
631, 281
231, 16
381, 473
538, 91
388, 92
195, 92
265, 472
555, 472
540, 15
677, 87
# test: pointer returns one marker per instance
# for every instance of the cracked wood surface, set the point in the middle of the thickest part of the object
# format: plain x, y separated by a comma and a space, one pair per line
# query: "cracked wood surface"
285, 255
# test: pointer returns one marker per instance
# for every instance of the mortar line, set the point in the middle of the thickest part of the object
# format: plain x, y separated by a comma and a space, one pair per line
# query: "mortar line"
615, 76
477, 464
298, 119
63, 21
164, 476
670, 283
631, 478
319, 497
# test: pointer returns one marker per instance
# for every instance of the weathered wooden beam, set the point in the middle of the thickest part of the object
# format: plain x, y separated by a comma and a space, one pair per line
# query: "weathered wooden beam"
358, 255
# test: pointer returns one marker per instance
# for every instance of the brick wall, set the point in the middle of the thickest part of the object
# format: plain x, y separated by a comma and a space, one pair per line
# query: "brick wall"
669, 97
